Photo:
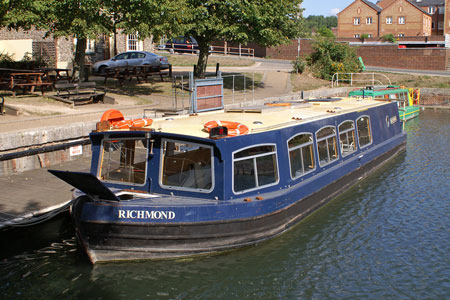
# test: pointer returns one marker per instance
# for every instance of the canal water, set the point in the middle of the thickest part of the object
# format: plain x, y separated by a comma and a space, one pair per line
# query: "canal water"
386, 238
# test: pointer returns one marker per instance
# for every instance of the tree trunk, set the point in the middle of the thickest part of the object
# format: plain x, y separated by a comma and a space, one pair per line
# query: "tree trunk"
202, 59
80, 53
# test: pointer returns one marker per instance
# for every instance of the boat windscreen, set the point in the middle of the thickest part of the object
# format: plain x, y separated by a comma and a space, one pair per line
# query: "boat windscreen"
124, 161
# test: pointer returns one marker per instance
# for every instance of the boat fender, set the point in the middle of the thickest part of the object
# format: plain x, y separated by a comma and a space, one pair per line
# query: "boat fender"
234, 128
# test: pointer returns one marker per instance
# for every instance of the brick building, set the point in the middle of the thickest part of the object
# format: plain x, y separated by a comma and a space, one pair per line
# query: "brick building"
399, 17
59, 52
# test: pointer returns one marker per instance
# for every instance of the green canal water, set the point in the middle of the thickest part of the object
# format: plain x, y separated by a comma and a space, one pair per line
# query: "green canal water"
388, 237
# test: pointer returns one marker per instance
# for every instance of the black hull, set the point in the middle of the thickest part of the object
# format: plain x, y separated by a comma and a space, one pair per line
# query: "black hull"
105, 242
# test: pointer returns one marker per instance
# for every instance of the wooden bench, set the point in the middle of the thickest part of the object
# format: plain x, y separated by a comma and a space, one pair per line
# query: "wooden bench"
79, 93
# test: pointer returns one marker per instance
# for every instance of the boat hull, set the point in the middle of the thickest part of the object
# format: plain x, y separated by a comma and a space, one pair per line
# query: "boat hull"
409, 112
123, 241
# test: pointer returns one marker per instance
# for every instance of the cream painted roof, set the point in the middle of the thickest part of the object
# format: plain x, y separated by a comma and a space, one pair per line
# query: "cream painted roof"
271, 117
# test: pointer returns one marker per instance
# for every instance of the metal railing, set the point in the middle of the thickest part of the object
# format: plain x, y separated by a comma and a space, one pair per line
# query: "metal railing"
240, 51
353, 78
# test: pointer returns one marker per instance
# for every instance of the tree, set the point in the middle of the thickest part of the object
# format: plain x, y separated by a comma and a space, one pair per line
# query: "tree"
330, 57
326, 32
268, 23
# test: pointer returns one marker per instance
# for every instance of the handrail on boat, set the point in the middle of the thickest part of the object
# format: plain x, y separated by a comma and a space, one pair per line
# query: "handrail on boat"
335, 79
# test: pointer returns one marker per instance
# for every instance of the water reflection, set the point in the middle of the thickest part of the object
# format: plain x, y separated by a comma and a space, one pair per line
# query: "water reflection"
386, 237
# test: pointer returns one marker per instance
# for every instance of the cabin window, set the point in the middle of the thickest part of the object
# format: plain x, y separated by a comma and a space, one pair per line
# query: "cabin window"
187, 166
364, 132
124, 160
326, 145
301, 154
255, 167
347, 137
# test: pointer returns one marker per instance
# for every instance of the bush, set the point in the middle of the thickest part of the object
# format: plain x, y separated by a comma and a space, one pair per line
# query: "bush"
26, 63
330, 57
388, 38
299, 65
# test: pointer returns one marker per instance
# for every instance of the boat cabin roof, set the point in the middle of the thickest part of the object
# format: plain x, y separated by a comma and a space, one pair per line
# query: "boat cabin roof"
374, 91
261, 118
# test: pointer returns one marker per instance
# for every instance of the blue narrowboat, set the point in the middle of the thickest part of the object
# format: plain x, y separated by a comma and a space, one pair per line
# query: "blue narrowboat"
213, 181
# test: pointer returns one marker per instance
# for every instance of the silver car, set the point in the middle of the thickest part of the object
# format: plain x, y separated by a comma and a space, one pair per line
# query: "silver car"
132, 58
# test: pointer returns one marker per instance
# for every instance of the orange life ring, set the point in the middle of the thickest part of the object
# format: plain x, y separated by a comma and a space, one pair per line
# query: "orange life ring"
234, 128
117, 121
127, 124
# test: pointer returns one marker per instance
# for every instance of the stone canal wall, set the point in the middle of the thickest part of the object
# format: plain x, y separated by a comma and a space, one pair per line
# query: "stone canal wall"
43, 147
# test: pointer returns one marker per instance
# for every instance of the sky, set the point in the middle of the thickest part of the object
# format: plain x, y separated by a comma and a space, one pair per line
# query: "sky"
324, 7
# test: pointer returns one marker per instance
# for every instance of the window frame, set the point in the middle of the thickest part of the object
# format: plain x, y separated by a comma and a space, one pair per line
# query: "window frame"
180, 188
133, 42
326, 139
431, 10
389, 20
233, 160
367, 20
298, 147
401, 20
346, 131
356, 21
100, 165
370, 132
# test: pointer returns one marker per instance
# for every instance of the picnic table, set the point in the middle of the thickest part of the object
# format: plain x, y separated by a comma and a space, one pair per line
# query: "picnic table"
28, 80
57, 74
138, 72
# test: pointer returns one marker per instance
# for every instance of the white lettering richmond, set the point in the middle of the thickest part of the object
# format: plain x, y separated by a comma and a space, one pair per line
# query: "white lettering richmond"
145, 214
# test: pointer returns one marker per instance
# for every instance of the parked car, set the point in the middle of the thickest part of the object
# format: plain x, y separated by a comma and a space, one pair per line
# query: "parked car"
132, 58
180, 44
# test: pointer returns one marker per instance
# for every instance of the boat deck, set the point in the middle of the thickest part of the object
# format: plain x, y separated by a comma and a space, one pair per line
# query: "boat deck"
263, 118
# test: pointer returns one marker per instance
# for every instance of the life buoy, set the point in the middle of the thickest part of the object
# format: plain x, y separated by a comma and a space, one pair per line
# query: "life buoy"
117, 121
414, 96
127, 124
234, 128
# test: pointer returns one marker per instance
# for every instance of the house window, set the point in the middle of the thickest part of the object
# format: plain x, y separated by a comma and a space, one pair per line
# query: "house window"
369, 35
254, 168
347, 137
388, 20
441, 10
326, 145
431, 10
90, 45
356, 36
401, 20
369, 20
301, 154
401, 35
364, 132
440, 25
432, 25
187, 166
133, 42
356, 21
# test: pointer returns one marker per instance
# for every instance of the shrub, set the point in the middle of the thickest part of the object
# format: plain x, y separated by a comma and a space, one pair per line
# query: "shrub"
299, 65
330, 57
26, 63
388, 38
